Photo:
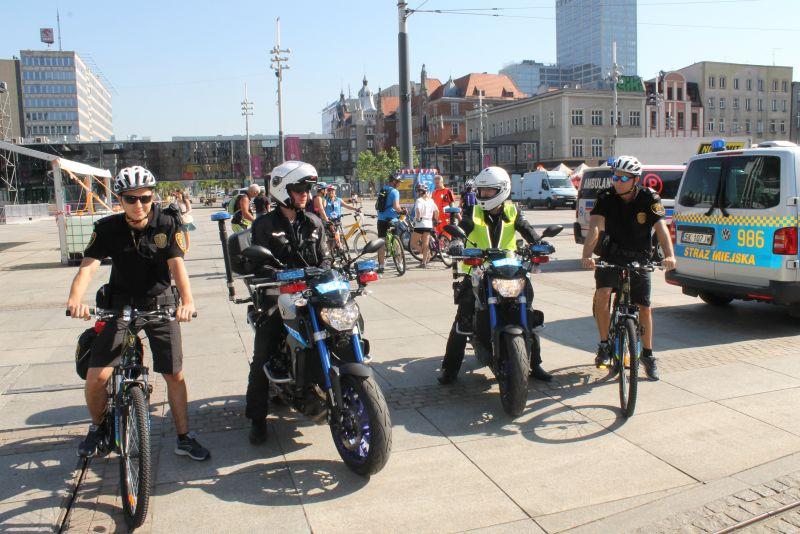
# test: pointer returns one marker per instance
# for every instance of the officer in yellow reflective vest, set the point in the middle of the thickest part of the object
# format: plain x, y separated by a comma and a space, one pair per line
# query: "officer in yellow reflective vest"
492, 223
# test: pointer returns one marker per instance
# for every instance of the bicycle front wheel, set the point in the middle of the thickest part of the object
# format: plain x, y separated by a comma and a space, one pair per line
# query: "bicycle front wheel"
398, 255
444, 245
135, 459
627, 361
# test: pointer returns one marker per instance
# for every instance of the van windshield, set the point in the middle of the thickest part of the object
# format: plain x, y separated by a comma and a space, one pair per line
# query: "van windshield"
559, 183
595, 181
751, 182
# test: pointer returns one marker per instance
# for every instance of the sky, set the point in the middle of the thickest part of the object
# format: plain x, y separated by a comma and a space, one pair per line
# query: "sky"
179, 68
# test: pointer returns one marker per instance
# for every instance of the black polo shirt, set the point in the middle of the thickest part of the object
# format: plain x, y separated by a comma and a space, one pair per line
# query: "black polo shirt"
629, 225
138, 257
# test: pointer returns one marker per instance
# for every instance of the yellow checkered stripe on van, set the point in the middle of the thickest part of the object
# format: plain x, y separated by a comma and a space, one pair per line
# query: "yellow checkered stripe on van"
738, 220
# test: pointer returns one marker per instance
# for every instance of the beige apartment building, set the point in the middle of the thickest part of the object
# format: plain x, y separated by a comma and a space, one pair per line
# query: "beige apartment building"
10, 99
738, 99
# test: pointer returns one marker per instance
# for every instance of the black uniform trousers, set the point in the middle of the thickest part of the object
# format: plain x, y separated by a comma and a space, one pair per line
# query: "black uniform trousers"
268, 337
457, 343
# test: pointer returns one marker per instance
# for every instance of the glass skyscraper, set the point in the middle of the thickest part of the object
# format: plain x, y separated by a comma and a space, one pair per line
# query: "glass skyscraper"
585, 31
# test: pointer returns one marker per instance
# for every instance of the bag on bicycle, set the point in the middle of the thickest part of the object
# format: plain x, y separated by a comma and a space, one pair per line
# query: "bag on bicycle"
380, 203
84, 351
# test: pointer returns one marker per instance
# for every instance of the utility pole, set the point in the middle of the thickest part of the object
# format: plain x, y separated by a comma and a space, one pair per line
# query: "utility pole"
616, 70
277, 64
247, 112
58, 25
405, 90
480, 128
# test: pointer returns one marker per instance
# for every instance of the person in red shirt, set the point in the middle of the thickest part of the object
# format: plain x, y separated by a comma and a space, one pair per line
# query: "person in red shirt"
443, 197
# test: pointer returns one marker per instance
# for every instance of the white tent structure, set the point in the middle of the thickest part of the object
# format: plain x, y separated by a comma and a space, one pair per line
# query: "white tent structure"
563, 168
72, 227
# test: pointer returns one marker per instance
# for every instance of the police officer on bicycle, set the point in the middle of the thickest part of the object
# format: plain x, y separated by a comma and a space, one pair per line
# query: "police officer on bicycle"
146, 245
492, 223
622, 221
296, 238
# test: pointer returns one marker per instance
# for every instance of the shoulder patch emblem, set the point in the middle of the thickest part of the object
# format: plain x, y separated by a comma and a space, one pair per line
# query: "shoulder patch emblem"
91, 239
160, 240
180, 240
641, 217
658, 209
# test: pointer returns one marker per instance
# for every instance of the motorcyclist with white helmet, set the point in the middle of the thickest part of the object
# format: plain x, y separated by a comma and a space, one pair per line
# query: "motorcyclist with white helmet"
492, 223
295, 237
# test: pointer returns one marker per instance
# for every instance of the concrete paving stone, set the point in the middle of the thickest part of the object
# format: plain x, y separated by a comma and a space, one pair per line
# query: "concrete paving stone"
434, 482
553, 470
526, 526
13, 356
37, 515
264, 500
44, 409
49, 339
36, 476
708, 441
788, 364
394, 328
732, 380
48, 375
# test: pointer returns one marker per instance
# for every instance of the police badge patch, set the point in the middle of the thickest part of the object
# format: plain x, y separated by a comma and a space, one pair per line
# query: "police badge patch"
180, 240
641, 217
658, 209
91, 239
160, 240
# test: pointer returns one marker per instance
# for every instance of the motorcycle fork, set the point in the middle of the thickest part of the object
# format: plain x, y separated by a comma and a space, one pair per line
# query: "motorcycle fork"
333, 386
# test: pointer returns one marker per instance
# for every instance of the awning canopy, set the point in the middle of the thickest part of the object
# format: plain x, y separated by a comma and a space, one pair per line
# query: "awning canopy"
68, 164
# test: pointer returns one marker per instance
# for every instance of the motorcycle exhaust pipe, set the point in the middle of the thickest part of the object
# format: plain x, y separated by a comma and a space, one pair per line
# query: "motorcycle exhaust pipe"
221, 217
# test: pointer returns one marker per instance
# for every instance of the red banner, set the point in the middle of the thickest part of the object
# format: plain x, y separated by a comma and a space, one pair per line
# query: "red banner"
256, 160
292, 147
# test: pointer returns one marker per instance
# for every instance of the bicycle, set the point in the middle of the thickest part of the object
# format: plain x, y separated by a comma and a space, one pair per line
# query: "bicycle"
623, 333
127, 419
438, 243
357, 231
394, 246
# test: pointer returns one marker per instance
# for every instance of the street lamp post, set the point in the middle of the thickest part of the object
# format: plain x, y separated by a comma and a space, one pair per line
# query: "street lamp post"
247, 112
405, 91
277, 64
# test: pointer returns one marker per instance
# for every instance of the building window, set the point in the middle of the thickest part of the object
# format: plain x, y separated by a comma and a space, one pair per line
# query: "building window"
749, 85
619, 117
722, 125
494, 133
653, 119
736, 102
695, 121
774, 105
710, 126
722, 82
721, 102
797, 121
761, 85
369, 143
784, 106
634, 118
454, 109
772, 128
711, 81
552, 119
577, 117
525, 124
533, 122
736, 83
516, 125
508, 126
353, 144
760, 104
759, 126
747, 104
774, 86
597, 148
783, 126
669, 93
785, 86
680, 94
747, 125
735, 128
681, 120
471, 135
454, 129
370, 130
710, 102
597, 117
577, 147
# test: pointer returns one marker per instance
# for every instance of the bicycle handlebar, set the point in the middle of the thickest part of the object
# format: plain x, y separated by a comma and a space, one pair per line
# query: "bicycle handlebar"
634, 265
156, 314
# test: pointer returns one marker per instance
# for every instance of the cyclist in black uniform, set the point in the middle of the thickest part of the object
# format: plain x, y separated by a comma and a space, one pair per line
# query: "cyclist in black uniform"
296, 237
623, 220
146, 245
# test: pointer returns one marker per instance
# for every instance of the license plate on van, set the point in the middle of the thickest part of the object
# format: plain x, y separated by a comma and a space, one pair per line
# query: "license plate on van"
694, 238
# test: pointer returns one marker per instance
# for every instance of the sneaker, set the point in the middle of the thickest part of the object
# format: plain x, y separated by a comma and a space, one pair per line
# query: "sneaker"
650, 367
258, 432
603, 358
88, 447
190, 447
380, 269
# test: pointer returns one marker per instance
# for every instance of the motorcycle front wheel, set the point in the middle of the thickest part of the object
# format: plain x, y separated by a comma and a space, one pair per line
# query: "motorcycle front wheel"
512, 376
363, 437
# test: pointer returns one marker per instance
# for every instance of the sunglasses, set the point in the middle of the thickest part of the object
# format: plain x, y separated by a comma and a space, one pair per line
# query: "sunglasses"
623, 179
131, 199
300, 188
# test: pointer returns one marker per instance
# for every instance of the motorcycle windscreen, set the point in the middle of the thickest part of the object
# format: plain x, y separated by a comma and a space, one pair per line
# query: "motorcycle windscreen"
331, 289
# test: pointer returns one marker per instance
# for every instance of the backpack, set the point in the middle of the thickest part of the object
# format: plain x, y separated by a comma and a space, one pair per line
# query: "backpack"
383, 197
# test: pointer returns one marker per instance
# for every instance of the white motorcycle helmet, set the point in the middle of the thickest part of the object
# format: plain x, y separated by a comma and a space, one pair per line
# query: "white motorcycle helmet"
131, 178
296, 175
492, 187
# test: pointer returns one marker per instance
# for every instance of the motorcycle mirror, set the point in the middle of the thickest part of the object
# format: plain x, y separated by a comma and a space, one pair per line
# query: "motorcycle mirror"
520, 243
373, 246
455, 231
552, 230
260, 254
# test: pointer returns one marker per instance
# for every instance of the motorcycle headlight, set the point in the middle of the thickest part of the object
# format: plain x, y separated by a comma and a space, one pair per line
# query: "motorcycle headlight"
341, 319
508, 288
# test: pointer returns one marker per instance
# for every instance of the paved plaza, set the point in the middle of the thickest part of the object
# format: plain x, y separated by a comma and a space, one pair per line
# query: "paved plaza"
716, 441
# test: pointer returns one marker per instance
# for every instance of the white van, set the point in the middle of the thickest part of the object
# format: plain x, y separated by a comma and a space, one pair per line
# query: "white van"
736, 226
516, 187
663, 179
548, 188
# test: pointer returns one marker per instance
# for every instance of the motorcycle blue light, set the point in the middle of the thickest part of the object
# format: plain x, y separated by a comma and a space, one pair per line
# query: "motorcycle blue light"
369, 265
291, 274
473, 252
542, 249
507, 262
452, 209
329, 287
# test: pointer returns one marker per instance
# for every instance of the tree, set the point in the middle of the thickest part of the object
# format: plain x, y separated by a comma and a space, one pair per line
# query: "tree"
375, 168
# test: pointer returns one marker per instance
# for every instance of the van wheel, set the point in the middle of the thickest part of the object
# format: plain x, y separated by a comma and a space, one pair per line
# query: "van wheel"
715, 300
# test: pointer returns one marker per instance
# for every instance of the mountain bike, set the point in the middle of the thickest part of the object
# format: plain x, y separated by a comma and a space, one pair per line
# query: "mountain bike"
394, 246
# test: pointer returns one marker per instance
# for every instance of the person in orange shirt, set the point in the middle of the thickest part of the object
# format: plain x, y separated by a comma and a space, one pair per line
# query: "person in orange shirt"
443, 197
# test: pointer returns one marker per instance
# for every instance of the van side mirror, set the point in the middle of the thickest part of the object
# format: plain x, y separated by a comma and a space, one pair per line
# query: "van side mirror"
545, 186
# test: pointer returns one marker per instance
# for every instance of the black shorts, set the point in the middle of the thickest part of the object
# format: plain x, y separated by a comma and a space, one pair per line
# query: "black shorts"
165, 344
383, 227
640, 284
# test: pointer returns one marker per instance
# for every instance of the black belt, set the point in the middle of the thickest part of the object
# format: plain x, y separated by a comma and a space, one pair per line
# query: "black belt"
170, 297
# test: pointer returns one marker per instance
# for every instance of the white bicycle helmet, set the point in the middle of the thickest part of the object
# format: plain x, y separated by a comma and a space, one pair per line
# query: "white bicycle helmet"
628, 164
287, 174
469, 184
498, 184
131, 178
